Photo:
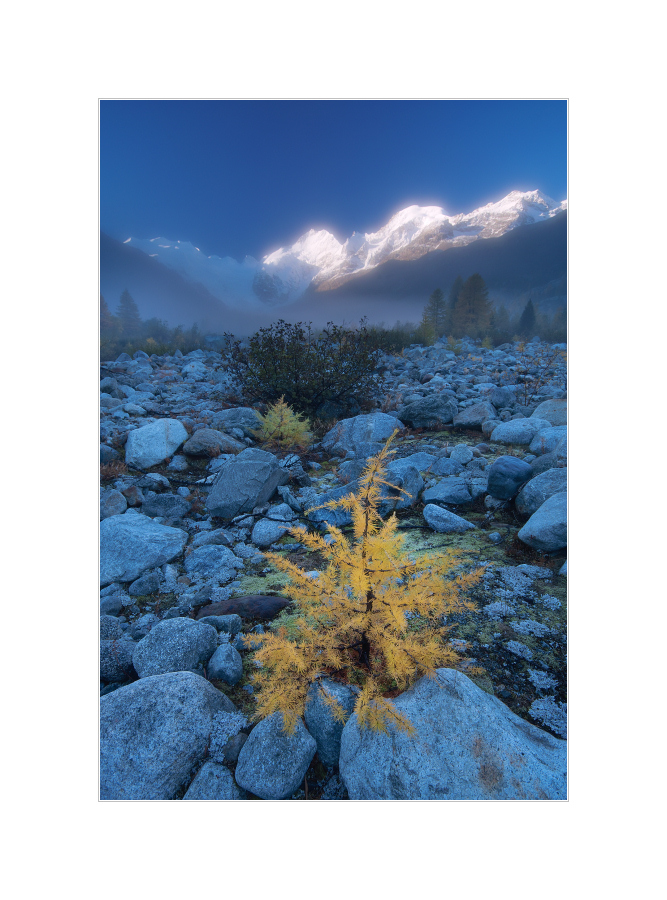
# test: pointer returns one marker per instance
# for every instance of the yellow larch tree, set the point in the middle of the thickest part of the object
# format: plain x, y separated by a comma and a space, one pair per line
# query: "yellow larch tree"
353, 621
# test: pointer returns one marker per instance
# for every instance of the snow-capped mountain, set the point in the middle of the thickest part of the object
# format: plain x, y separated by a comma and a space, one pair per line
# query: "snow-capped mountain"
317, 258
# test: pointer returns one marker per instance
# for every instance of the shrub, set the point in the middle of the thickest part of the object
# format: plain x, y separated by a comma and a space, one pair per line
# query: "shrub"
353, 622
282, 427
321, 374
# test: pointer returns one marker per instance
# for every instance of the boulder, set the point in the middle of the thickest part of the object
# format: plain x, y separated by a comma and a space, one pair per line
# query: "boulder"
213, 782
213, 561
547, 440
467, 746
225, 665
175, 645
131, 544
554, 411
152, 444
421, 461
207, 442
113, 504
250, 606
244, 482
444, 521
475, 416
429, 412
546, 529
363, 435
116, 660
110, 629
226, 624
506, 475
153, 732
452, 490
534, 493
518, 431
445, 466
461, 454
272, 764
244, 417
406, 483
170, 506
268, 531
320, 720
108, 454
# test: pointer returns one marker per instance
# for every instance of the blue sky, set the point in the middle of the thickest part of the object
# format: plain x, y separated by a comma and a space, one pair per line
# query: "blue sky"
246, 177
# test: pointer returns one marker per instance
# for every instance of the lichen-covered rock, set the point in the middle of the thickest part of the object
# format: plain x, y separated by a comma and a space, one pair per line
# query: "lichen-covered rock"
547, 440
209, 443
467, 746
267, 531
153, 732
244, 482
506, 475
213, 782
452, 490
518, 431
554, 411
116, 660
320, 720
131, 544
152, 444
475, 416
444, 521
272, 764
225, 665
175, 645
534, 493
363, 435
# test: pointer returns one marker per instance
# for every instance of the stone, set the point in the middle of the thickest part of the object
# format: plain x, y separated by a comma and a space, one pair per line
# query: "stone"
250, 606
563, 569
170, 506
452, 490
153, 732
475, 416
547, 440
113, 504
518, 431
268, 531
444, 466
429, 412
213, 781
108, 454
281, 512
207, 442
468, 746
320, 720
501, 397
131, 544
554, 411
225, 665
546, 529
421, 461
506, 475
175, 645
338, 517
152, 444
243, 417
444, 521
533, 494
153, 481
233, 748
245, 482
213, 561
225, 624
110, 629
461, 454
133, 495
272, 763
147, 584
407, 485
116, 660
363, 435
218, 536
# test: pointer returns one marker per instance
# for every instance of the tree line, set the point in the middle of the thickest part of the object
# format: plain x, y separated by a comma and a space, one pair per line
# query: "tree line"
468, 312
126, 332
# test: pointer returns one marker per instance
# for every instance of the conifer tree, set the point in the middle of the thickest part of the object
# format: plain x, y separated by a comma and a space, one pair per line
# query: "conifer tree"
434, 312
527, 320
128, 313
473, 310
354, 620
454, 292
108, 322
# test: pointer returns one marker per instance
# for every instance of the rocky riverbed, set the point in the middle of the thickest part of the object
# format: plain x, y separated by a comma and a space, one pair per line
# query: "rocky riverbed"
190, 500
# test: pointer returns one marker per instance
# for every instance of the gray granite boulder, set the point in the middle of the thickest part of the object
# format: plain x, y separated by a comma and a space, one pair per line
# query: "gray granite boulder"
267, 531
421, 461
131, 544
116, 660
225, 665
506, 475
461, 454
212, 561
518, 431
272, 764
452, 490
244, 417
152, 444
153, 733
554, 411
170, 506
213, 781
467, 746
175, 645
113, 504
533, 494
244, 482
475, 416
547, 440
209, 443
110, 628
445, 466
444, 521
231, 624
406, 483
363, 435
320, 720
430, 412
547, 528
